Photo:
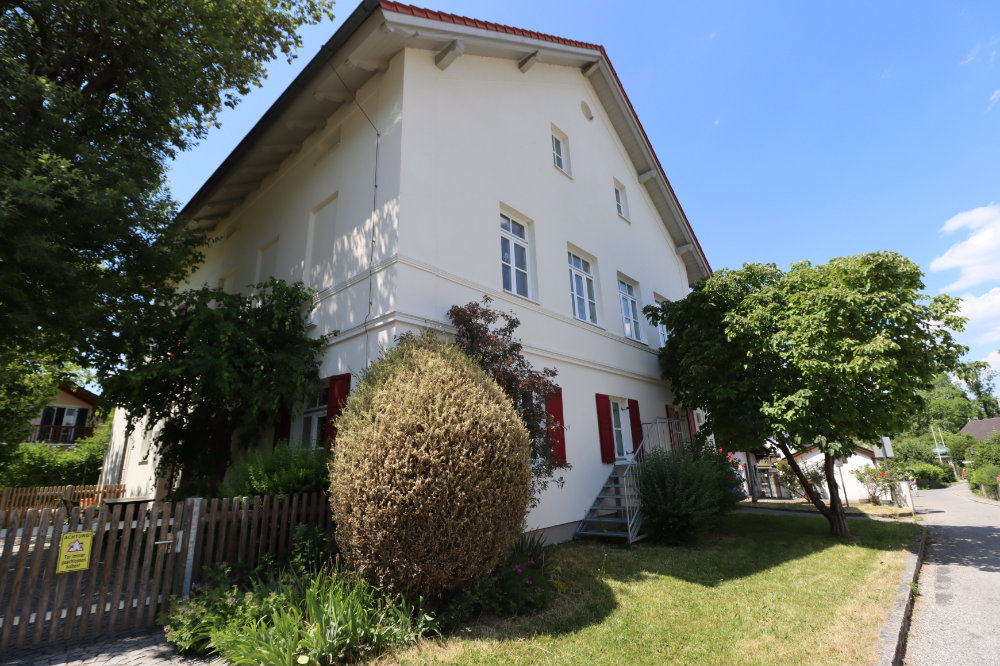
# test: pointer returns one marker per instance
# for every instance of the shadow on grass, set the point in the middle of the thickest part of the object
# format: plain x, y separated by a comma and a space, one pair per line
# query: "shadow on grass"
744, 545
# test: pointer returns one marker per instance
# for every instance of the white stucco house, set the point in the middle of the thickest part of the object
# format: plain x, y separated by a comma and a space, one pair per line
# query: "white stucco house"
423, 160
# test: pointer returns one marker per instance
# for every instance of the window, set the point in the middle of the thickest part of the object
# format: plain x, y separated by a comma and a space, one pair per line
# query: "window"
514, 256
581, 289
661, 328
618, 427
630, 310
560, 150
314, 418
621, 201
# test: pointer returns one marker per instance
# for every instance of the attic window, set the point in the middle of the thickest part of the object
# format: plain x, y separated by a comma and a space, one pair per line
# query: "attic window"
560, 150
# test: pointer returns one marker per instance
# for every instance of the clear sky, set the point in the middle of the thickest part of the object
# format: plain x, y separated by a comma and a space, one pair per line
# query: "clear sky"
789, 130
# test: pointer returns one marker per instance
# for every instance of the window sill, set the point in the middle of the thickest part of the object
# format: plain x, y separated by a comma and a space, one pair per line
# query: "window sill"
624, 219
523, 298
588, 323
562, 171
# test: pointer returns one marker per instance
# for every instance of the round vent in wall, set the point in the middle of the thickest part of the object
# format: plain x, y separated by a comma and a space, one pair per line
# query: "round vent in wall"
587, 113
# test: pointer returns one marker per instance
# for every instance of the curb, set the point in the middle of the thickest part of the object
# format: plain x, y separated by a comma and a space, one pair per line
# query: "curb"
892, 637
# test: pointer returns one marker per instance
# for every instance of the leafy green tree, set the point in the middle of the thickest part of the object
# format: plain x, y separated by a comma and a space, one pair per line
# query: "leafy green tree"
918, 448
980, 379
42, 464
214, 365
95, 97
946, 407
27, 383
826, 355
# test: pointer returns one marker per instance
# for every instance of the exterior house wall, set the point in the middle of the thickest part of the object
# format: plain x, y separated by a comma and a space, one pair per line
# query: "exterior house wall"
851, 488
457, 147
477, 142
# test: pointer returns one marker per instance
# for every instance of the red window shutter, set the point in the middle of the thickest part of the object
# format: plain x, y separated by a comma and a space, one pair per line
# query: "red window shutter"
283, 430
635, 424
692, 426
340, 386
675, 435
557, 432
604, 428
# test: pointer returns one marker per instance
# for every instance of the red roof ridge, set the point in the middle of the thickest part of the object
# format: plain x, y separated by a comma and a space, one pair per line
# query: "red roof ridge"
444, 17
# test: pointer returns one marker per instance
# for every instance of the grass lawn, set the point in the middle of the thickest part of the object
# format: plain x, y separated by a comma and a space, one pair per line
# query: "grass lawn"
856, 508
764, 589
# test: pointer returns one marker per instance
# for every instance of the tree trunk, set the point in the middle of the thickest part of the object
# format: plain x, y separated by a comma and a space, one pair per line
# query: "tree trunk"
810, 492
837, 517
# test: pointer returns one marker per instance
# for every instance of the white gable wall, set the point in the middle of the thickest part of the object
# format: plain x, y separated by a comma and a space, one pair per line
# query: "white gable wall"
477, 142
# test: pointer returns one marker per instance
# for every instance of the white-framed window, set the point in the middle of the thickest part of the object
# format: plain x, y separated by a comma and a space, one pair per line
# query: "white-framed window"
560, 150
314, 418
628, 296
581, 289
514, 256
621, 200
620, 427
661, 328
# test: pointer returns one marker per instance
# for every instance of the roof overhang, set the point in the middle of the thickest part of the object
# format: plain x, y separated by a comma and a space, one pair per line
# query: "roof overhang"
364, 45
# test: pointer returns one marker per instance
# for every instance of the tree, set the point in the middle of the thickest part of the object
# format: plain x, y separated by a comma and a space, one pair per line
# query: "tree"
947, 407
496, 351
829, 356
96, 96
980, 379
28, 383
214, 365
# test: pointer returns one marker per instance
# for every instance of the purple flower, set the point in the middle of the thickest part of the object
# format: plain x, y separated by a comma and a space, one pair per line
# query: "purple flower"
531, 559
517, 568
527, 581
232, 600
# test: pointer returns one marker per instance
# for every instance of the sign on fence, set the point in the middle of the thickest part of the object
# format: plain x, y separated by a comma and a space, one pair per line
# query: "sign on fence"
74, 551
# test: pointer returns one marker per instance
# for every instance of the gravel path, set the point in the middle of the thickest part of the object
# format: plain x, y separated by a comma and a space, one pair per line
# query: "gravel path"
128, 651
956, 618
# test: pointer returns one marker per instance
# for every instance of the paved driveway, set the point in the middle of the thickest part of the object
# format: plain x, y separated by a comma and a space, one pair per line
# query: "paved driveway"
956, 618
128, 651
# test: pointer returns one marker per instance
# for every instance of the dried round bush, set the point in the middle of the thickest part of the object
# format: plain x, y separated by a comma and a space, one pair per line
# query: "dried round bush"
430, 475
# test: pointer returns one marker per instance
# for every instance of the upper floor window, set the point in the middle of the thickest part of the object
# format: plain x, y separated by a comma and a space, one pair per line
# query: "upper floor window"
581, 289
630, 309
661, 329
514, 256
621, 201
560, 150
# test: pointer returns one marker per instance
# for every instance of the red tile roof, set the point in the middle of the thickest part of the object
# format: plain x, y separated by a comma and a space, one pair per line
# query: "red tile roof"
400, 8
444, 17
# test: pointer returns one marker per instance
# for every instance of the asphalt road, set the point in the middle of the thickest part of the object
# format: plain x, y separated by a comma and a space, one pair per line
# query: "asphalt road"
956, 617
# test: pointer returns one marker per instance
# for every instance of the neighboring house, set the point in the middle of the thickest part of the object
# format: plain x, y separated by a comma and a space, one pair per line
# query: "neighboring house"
422, 160
981, 429
851, 489
69, 416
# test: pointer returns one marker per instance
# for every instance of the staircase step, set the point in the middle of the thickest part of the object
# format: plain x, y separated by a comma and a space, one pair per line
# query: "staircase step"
605, 519
622, 535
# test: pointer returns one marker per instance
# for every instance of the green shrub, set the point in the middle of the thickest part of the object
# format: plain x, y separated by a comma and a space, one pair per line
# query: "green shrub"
329, 616
285, 470
684, 494
985, 475
312, 548
42, 464
927, 475
430, 476
524, 583
877, 480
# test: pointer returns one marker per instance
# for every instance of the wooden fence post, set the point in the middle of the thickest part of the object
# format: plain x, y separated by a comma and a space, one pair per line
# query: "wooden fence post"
194, 508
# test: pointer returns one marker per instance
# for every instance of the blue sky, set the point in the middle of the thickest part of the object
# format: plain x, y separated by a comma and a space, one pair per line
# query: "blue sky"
789, 130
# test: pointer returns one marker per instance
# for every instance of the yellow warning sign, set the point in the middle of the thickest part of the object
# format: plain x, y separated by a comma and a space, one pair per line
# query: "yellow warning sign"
74, 551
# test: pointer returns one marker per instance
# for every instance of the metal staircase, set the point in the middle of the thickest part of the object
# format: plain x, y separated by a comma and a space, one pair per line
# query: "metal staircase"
617, 510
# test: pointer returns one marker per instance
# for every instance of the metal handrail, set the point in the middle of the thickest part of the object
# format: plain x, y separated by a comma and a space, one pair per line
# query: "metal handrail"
655, 436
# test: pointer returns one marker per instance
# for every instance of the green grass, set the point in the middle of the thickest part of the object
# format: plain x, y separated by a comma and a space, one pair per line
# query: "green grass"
761, 590
856, 508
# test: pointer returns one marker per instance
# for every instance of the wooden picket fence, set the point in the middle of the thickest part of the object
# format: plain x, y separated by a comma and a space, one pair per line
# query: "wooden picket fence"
143, 553
41, 497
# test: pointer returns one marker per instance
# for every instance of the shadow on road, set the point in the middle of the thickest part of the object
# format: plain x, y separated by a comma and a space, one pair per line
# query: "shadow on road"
966, 545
